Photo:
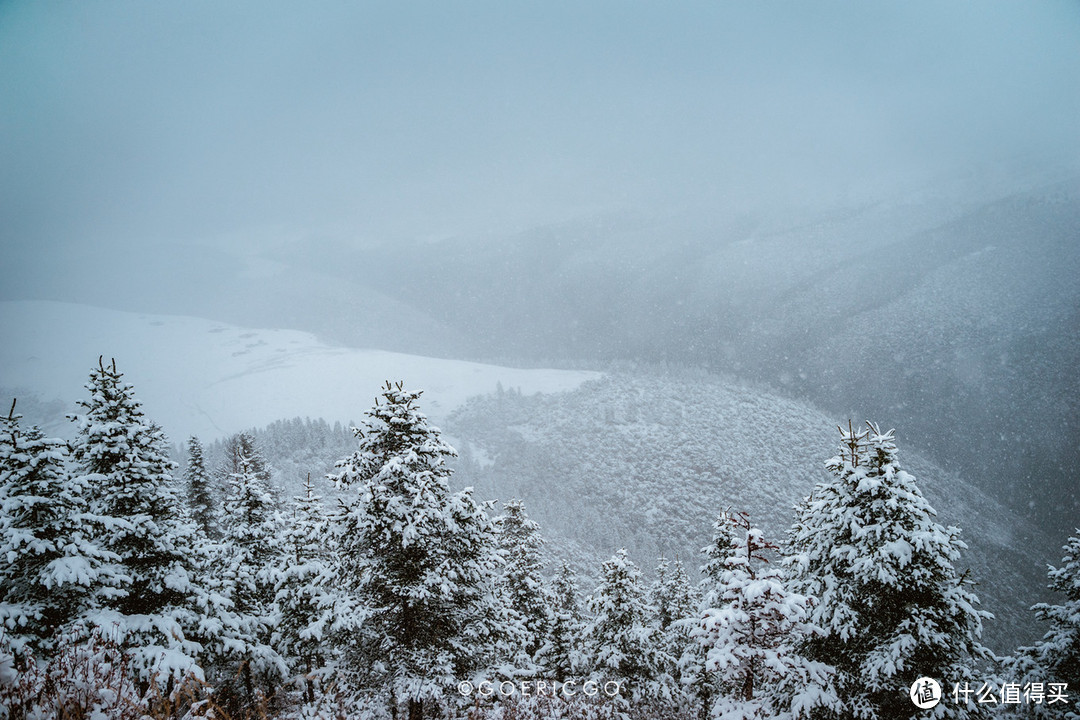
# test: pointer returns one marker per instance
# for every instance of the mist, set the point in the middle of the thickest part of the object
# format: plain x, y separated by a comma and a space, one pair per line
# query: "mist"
753, 188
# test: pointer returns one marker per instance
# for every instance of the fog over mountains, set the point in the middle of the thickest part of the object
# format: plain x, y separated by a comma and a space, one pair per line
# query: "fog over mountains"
956, 323
871, 208
640, 458
645, 461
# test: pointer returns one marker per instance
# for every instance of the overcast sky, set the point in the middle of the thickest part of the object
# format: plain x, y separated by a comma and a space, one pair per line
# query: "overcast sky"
198, 121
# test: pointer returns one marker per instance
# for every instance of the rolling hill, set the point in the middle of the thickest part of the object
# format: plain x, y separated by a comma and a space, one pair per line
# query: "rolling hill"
646, 461
637, 459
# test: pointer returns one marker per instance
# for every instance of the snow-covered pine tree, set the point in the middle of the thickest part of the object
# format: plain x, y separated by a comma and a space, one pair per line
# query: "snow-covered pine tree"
1056, 657
49, 559
200, 493
252, 548
418, 562
890, 601
752, 635
242, 446
622, 645
671, 595
305, 592
675, 606
251, 529
489, 631
716, 554
521, 583
561, 656
699, 684
123, 460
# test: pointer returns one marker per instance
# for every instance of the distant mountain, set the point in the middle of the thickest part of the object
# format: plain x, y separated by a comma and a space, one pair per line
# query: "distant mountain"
204, 377
229, 285
955, 318
636, 459
954, 314
646, 462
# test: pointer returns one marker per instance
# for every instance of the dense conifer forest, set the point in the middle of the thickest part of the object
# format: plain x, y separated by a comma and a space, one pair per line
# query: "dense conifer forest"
137, 586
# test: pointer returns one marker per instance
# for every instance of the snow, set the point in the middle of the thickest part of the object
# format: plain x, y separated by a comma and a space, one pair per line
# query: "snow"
70, 570
206, 378
899, 549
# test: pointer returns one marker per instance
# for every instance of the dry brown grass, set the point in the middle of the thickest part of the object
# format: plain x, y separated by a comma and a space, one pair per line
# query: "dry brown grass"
94, 681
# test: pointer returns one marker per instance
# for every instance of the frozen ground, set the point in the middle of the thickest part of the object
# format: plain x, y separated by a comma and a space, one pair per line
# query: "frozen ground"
208, 378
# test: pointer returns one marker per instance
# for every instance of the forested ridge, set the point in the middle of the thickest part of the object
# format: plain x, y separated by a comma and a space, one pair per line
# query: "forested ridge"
135, 586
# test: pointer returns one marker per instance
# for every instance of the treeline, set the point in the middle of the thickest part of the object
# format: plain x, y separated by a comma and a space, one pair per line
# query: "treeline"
290, 450
132, 589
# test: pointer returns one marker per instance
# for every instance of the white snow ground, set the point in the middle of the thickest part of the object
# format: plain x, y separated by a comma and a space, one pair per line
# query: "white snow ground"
202, 377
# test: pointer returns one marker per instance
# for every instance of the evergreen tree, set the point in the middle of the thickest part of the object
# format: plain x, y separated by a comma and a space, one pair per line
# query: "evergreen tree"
891, 603
1056, 657
751, 639
154, 613
622, 645
304, 592
50, 560
419, 562
252, 549
252, 532
699, 683
561, 656
521, 583
671, 596
200, 494
238, 453
242, 450
675, 606
716, 555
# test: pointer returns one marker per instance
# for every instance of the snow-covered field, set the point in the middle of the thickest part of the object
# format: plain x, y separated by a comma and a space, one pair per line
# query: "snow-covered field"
197, 376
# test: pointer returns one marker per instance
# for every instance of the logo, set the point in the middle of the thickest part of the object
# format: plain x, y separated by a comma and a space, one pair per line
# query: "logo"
543, 688
925, 693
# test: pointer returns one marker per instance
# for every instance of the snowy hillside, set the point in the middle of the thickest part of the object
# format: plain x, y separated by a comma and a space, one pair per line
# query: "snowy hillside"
646, 463
638, 461
197, 376
954, 320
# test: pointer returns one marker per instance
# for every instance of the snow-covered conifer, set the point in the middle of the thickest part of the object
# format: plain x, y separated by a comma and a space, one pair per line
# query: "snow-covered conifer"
252, 548
1056, 657
419, 562
675, 605
304, 591
239, 452
251, 530
752, 635
122, 458
200, 494
561, 656
49, 561
671, 595
716, 555
622, 644
242, 447
698, 683
521, 584
890, 601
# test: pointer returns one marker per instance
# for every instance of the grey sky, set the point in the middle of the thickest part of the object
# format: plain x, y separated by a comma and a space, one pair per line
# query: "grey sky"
201, 121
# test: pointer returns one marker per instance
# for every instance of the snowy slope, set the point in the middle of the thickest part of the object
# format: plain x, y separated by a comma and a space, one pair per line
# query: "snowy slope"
646, 462
197, 376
